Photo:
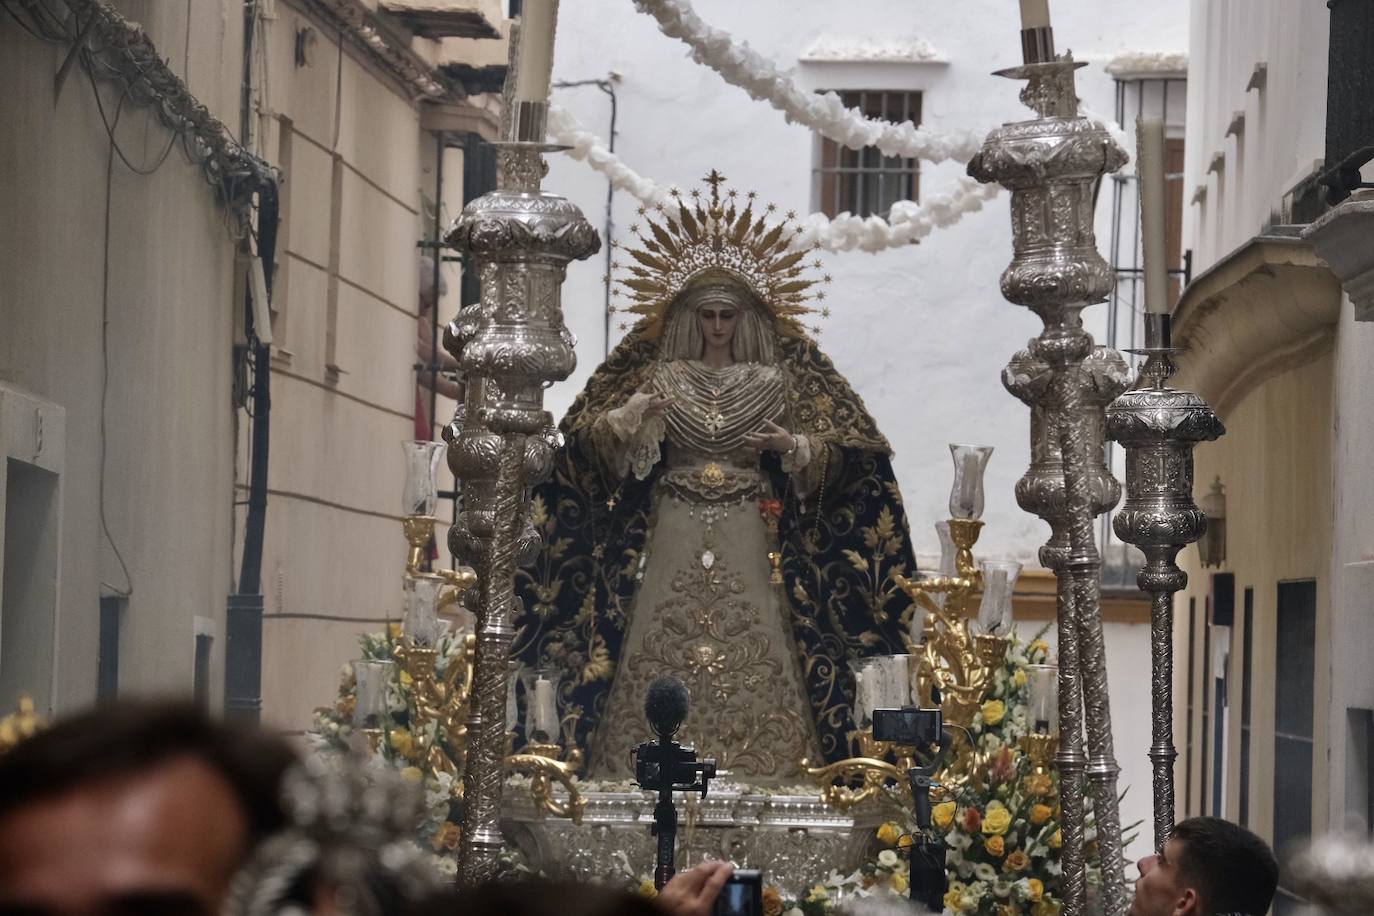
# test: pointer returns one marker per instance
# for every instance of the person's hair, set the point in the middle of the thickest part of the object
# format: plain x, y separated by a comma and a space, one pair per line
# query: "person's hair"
1232, 870
123, 739
755, 339
540, 897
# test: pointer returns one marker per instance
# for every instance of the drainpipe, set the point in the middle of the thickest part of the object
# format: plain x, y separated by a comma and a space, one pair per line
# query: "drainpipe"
243, 615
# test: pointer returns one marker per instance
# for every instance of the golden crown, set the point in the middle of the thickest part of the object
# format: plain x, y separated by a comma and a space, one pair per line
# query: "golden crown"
696, 238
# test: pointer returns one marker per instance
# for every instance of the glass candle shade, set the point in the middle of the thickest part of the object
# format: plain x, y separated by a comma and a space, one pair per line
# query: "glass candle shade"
371, 678
894, 687
541, 704
999, 581
880, 682
1042, 700
1212, 545
966, 496
421, 623
421, 495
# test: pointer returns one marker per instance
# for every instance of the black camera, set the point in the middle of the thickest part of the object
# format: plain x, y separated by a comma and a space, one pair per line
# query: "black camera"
742, 895
909, 726
680, 772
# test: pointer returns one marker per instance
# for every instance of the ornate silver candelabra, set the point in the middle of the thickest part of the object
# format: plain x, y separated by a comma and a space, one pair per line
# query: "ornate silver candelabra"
1051, 165
510, 345
1159, 426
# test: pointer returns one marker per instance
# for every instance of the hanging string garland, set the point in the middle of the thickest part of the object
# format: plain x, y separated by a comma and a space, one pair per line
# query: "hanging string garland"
743, 67
907, 221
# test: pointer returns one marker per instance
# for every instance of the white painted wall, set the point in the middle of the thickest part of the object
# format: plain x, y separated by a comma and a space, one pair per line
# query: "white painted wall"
168, 464
921, 331
1284, 138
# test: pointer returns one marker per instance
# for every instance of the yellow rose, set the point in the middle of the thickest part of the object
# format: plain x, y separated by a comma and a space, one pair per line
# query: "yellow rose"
1040, 814
899, 883
954, 897
1037, 889
889, 834
943, 814
1016, 861
818, 893
997, 821
647, 889
1057, 840
772, 901
993, 711
1019, 678
1037, 645
402, 742
446, 836
1039, 784
995, 845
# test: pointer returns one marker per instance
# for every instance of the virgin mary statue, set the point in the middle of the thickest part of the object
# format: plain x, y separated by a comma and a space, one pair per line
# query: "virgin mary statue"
723, 509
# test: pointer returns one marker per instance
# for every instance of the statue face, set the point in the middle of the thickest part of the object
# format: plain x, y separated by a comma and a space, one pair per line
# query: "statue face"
718, 318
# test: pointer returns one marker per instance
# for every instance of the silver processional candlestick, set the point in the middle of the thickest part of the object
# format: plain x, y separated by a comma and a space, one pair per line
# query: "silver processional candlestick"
1051, 165
509, 345
1159, 427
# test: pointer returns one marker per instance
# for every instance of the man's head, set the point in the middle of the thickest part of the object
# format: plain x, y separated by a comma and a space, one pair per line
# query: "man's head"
1208, 867
134, 808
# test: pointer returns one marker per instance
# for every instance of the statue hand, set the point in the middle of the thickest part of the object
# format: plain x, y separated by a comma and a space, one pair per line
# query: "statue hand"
648, 404
657, 406
771, 437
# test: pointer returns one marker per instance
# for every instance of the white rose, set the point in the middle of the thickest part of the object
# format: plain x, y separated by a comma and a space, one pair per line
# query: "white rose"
888, 858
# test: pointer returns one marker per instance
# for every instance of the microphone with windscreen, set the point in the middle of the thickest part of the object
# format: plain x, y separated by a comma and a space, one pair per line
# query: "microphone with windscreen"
665, 767
665, 705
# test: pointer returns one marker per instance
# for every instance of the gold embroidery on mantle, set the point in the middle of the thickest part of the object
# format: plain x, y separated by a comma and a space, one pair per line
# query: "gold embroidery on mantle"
717, 643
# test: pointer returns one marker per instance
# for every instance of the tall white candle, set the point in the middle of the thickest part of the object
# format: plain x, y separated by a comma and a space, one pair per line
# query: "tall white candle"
1150, 169
512, 707
968, 485
1035, 14
545, 710
862, 698
534, 58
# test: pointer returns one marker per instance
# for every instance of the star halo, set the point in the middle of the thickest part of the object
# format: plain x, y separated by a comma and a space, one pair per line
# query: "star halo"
690, 238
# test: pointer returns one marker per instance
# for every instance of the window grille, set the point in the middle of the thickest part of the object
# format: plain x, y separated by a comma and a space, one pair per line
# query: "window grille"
865, 182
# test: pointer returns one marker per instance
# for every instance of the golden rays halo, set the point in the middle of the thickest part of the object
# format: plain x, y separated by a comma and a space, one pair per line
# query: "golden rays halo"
693, 236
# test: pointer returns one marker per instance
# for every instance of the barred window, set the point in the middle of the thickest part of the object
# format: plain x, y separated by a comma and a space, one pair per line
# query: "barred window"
865, 182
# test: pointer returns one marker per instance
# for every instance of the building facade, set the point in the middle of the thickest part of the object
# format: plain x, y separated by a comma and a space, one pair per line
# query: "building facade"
1273, 688
130, 280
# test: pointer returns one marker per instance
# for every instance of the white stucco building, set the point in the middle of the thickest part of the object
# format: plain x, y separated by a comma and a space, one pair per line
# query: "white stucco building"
1274, 687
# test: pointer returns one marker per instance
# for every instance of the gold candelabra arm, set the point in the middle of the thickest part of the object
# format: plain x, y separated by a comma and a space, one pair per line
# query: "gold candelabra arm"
459, 580
419, 531
543, 767
869, 765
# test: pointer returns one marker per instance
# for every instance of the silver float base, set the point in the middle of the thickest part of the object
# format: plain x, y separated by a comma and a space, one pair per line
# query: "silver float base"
794, 839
